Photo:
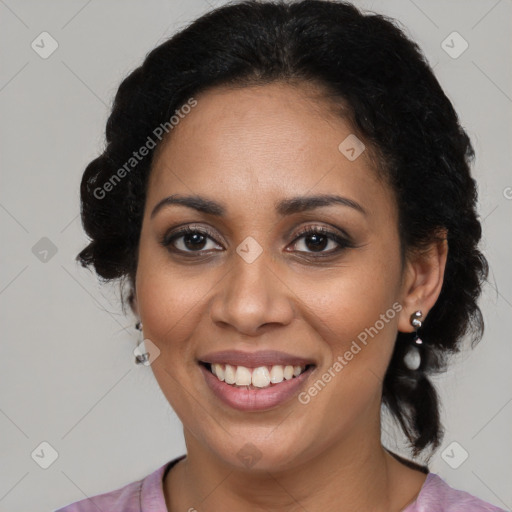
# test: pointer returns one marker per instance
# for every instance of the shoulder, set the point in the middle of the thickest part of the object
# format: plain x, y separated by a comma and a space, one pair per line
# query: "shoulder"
437, 496
144, 494
124, 499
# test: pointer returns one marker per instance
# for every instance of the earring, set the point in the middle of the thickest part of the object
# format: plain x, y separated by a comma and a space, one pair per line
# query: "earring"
412, 358
141, 358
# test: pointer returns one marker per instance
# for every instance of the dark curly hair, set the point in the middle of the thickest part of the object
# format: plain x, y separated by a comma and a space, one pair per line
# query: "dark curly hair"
382, 82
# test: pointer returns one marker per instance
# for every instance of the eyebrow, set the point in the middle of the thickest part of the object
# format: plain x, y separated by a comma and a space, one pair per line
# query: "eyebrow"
283, 207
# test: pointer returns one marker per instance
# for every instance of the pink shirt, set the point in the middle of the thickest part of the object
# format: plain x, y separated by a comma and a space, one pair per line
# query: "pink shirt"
147, 495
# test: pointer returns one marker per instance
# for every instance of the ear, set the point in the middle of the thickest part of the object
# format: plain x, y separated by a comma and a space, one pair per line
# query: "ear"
423, 280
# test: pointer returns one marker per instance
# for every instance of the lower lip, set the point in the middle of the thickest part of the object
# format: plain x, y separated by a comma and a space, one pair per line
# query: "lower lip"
261, 399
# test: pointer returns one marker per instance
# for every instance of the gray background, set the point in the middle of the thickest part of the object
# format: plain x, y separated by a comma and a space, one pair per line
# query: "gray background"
67, 371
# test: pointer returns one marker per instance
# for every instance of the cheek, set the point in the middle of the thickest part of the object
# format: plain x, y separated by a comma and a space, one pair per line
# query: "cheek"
360, 329
351, 298
355, 311
170, 300
355, 317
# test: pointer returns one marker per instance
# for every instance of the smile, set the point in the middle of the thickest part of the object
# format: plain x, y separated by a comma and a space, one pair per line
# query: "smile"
255, 378
255, 381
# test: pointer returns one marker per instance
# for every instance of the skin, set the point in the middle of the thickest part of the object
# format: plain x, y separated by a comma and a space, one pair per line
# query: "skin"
248, 148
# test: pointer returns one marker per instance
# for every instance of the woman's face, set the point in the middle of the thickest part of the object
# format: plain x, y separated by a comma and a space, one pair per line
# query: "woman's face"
247, 288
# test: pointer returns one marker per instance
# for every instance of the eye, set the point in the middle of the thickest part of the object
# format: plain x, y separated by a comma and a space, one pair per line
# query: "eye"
192, 240
189, 239
318, 238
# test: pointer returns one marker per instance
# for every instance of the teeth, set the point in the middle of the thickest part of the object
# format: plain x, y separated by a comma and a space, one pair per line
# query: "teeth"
276, 374
243, 376
218, 371
229, 374
288, 372
260, 377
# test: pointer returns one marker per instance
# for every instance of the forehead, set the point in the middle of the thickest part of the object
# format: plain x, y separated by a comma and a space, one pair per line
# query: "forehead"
262, 143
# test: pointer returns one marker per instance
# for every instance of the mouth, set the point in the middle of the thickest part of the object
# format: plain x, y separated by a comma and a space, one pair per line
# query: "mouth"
261, 377
255, 382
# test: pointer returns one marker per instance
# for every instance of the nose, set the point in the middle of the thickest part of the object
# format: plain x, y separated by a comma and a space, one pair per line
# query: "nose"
252, 296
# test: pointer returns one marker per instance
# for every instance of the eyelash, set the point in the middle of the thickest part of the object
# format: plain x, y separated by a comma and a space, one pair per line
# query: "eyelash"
344, 243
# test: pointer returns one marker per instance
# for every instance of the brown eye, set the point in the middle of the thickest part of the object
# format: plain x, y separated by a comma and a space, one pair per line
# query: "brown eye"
317, 239
188, 240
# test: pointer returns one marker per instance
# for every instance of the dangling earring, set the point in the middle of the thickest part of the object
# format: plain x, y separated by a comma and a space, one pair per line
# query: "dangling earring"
412, 358
140, 357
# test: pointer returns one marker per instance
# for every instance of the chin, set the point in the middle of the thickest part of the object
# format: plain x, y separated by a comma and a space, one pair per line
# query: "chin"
257, 454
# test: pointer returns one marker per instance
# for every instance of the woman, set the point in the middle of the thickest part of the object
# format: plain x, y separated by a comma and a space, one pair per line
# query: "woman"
286, 192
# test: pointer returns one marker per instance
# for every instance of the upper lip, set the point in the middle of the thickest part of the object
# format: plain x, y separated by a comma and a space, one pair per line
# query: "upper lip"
255, 359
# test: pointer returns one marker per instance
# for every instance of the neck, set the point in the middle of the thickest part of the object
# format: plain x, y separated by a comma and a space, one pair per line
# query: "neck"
356, 474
